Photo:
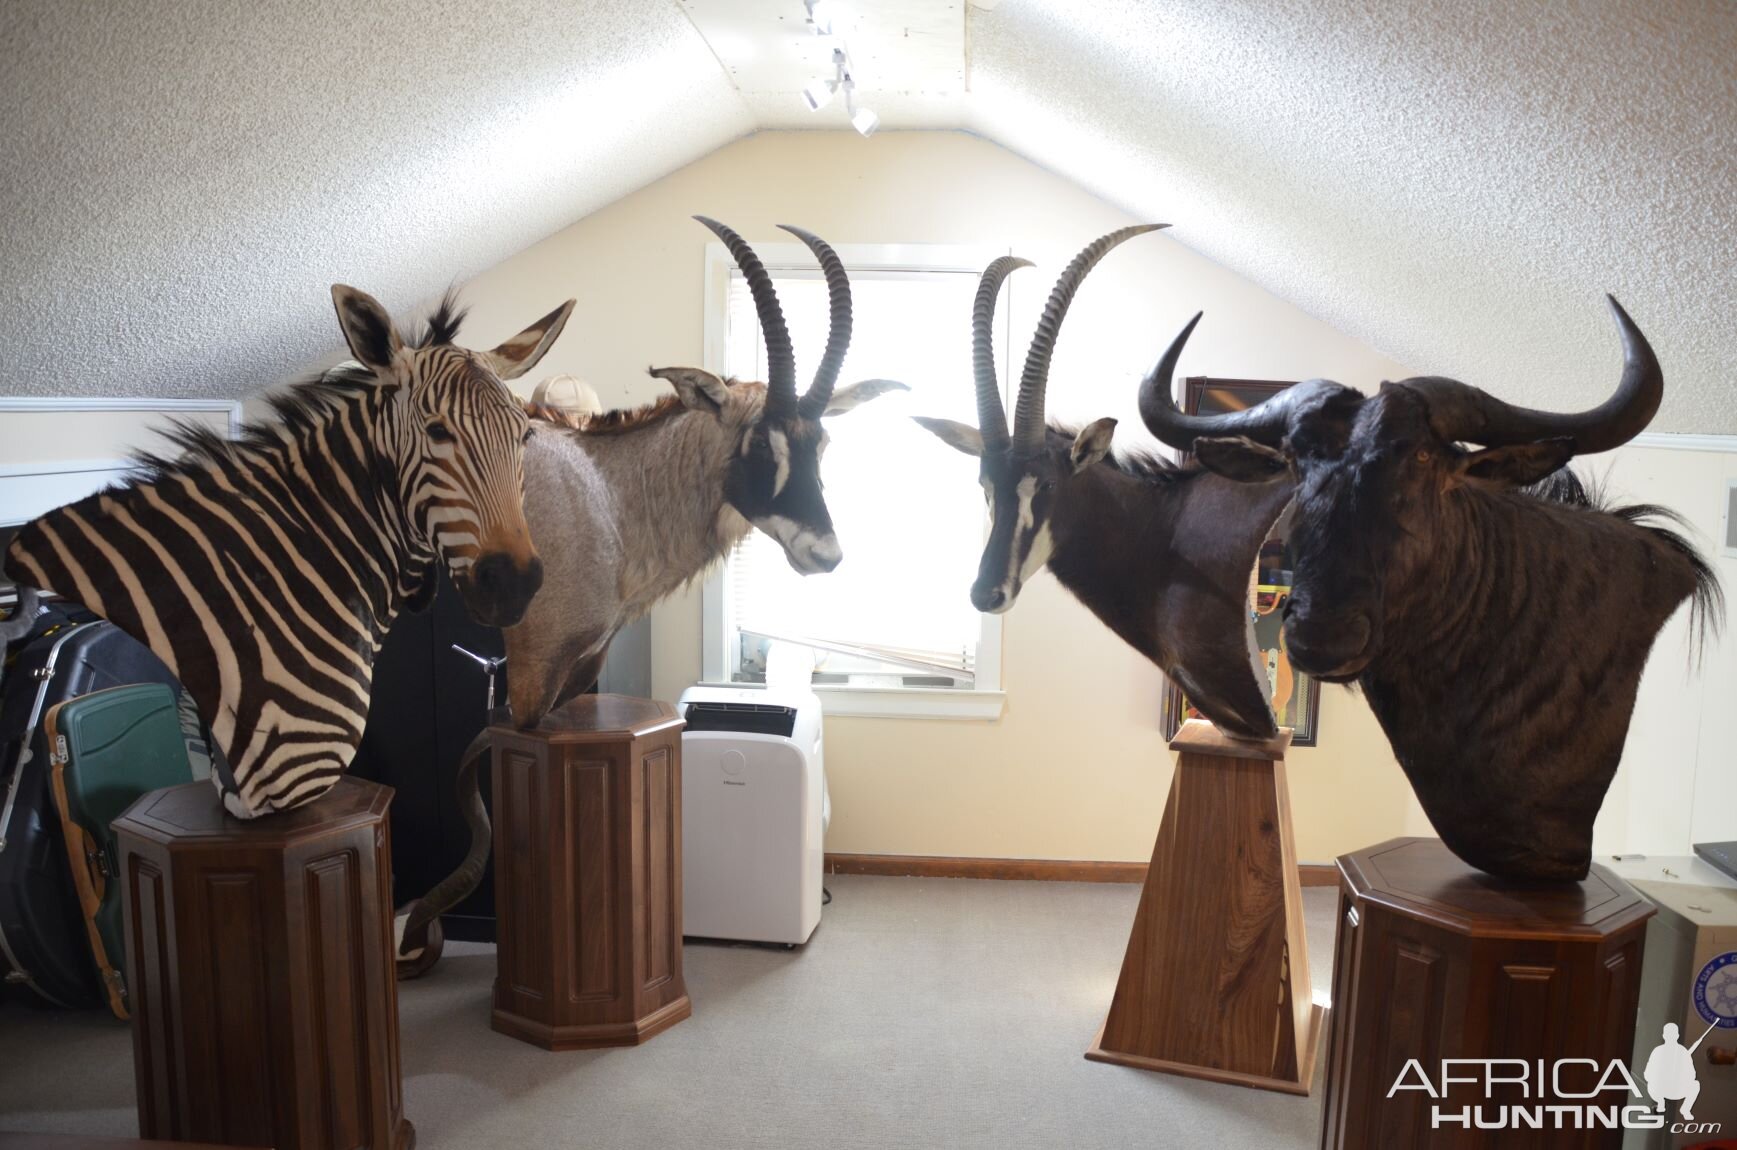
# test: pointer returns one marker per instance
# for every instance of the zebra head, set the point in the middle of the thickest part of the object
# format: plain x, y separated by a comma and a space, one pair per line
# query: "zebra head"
774, 477
455, 438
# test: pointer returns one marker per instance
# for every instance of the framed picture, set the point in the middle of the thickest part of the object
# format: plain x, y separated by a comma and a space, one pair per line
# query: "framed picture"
1296, 696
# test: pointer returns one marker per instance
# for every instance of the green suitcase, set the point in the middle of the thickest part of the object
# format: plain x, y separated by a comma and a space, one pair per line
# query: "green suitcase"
105, 750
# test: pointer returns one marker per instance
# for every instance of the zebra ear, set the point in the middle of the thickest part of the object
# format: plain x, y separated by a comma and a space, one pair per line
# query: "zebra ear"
367, 329
521, 353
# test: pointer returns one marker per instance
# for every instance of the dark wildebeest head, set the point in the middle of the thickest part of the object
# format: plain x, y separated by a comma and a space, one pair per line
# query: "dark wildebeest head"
774, 479
456, 438
1160, 554
1498, 632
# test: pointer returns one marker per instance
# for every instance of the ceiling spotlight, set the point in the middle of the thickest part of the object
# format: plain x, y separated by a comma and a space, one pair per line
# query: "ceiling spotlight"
865, 121
823, 14
819, 94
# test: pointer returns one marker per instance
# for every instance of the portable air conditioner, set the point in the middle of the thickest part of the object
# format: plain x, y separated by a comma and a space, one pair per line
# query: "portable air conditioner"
754, 813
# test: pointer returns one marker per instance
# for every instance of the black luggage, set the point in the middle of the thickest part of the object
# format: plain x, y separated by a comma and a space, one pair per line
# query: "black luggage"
43, 940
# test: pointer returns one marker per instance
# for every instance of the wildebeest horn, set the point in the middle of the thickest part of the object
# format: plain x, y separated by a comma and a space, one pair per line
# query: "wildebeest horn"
1263, 423
1028, 414
780, 358
819, 393
1460, 412
991, 416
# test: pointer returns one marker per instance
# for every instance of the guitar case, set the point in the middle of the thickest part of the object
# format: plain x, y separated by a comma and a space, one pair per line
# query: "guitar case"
44, 945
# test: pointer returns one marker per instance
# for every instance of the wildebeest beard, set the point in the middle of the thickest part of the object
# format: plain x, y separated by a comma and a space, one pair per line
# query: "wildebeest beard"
1506, 687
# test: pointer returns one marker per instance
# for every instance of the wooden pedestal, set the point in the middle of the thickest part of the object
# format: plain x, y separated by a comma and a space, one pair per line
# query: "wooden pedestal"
1437, 960
259, 954
1215, 982
588, 839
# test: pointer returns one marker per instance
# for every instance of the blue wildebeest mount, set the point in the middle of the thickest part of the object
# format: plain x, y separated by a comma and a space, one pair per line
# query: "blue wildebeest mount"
630, 506
1498, 632
1160, 553
266, 571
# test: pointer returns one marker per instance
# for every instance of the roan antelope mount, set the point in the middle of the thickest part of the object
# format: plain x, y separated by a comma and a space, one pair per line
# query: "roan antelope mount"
1498, 634
1160, 553
630, 506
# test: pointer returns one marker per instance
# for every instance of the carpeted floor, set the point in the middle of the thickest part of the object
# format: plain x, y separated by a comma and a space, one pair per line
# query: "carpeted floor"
923, 1013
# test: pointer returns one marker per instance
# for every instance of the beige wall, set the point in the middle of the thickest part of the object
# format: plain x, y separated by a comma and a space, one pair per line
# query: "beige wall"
1077, 766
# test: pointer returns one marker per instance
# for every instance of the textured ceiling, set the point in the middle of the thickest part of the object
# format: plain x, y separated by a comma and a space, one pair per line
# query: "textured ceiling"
181, 182
1456, 184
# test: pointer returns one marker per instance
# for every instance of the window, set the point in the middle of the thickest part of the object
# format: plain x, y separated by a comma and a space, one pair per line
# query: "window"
892, 630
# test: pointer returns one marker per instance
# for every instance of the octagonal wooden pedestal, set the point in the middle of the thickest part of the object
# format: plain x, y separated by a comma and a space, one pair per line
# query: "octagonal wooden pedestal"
588, 875
259, 956
1437, 960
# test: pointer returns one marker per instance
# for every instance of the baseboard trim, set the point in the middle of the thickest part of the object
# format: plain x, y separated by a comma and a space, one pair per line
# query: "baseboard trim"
1033, 870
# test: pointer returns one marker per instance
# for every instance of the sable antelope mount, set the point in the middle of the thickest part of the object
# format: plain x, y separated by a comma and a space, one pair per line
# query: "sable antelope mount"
1499, 633
1160, 553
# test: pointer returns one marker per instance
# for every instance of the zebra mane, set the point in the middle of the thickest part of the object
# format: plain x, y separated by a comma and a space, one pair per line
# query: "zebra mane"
298, 408
442, 326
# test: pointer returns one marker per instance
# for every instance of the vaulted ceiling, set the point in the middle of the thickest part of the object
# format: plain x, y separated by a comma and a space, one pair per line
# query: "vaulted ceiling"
1456, 184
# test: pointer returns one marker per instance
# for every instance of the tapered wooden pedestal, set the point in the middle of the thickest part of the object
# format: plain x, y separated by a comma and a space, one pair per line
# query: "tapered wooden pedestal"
259, 956
1437, 960
1215, 982
588, 835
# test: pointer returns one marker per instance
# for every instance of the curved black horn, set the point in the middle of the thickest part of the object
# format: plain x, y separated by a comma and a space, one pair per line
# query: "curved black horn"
1460, 412
819, 393
1263, 423
991, 416
1028, 413
780, 358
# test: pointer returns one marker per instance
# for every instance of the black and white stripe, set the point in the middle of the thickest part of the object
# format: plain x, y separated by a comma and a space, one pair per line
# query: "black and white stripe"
266, 571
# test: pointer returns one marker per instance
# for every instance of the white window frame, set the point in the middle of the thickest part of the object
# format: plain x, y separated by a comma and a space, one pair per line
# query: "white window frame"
985, 699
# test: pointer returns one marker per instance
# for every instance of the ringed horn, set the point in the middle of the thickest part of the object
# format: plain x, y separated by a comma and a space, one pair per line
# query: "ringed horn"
1028, 415
781, 397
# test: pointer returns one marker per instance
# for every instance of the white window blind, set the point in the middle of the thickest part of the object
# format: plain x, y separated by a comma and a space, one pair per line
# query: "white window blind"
908, 510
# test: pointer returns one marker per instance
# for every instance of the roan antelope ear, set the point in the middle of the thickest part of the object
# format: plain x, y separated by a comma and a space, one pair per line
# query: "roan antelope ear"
698, 388
367, 329
1092, 443
521, 353
859, 393
1515, 466
1241, 459
958, 436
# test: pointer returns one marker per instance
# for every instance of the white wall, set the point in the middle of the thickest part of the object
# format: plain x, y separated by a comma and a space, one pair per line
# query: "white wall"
1678, 780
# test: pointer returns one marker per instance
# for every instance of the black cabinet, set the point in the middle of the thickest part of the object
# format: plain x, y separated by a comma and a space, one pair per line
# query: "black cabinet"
428, 703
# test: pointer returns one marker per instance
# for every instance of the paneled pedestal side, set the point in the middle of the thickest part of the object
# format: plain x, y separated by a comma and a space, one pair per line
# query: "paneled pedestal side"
1215, 981
588, 839
1437, 960
265, 1011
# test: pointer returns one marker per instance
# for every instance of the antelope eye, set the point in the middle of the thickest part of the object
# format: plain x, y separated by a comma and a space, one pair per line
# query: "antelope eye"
1424, 456
439, 433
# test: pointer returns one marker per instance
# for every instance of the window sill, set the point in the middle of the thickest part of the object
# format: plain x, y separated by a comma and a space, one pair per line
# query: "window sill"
910, 703
905, 703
